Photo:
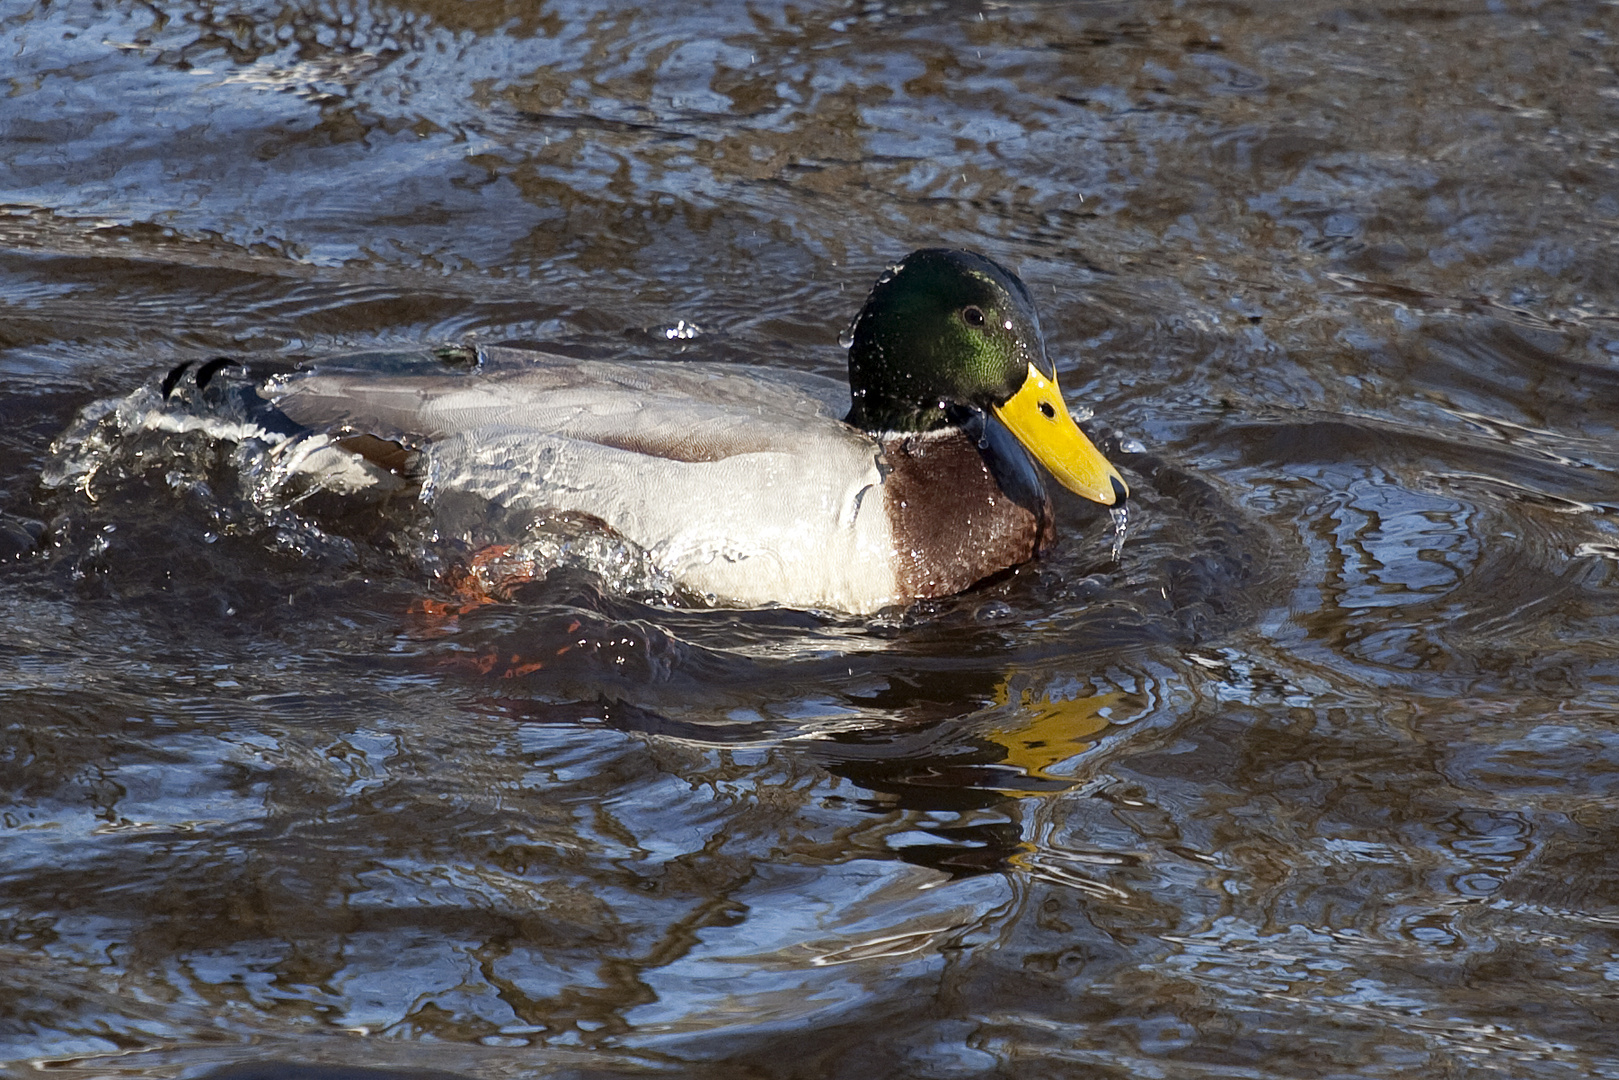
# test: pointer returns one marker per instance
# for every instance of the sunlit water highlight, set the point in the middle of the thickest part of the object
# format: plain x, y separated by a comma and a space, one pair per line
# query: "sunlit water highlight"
1312, 776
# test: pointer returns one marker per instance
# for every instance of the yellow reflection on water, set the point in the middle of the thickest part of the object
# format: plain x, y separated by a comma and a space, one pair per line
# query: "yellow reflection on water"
1042, 730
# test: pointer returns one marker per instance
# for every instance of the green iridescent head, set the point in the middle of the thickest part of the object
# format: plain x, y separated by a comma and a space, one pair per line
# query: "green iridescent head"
946, 333
941, 328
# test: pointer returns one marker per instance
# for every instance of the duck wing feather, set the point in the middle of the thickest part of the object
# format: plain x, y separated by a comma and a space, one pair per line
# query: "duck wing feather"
742, 484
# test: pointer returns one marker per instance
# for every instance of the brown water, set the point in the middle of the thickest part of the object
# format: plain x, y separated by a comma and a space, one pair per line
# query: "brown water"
1320, 778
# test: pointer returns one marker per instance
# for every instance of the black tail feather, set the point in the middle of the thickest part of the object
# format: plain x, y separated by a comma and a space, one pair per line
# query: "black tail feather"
236, 398
172, 379
206, 373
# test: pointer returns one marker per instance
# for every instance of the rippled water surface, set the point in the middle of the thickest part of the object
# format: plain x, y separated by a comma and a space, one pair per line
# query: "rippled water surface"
1318, 778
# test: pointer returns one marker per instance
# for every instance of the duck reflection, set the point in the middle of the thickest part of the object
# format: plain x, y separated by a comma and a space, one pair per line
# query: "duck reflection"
970, 766
952, 754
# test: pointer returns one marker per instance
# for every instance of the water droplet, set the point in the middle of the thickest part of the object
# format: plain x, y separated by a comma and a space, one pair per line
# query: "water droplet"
846, 336
994, 612
1121, 526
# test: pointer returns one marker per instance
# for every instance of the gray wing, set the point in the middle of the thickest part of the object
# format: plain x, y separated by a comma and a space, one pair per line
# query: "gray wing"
676, 410
740, 484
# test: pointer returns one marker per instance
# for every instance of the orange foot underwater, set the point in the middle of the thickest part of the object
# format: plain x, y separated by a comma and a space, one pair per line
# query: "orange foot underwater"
487, 579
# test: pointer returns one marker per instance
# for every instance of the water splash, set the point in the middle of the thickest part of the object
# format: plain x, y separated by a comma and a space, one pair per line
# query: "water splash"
559, 540
1121, 527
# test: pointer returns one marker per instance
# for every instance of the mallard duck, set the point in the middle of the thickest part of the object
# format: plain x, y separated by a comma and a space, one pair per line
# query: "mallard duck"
745, 486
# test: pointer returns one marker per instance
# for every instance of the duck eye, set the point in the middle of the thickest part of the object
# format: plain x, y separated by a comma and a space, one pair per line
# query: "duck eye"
973, 315
1047, 411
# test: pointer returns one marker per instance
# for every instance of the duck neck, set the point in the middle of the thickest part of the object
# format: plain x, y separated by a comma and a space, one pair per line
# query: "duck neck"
890, 416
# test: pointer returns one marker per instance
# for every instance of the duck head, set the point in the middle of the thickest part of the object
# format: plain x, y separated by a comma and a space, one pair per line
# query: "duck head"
947, 333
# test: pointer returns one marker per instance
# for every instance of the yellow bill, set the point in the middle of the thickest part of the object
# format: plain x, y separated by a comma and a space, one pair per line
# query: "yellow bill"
1040, 420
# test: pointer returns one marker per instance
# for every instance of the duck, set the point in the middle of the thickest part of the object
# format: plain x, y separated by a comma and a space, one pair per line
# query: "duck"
743, 486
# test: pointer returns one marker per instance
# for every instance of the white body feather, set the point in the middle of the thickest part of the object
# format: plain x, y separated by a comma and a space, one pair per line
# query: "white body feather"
744, 486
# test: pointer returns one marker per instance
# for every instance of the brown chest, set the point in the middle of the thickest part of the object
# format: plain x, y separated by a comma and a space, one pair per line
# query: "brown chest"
953, 523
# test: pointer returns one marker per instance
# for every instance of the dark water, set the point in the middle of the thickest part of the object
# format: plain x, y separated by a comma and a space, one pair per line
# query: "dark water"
1320, 779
